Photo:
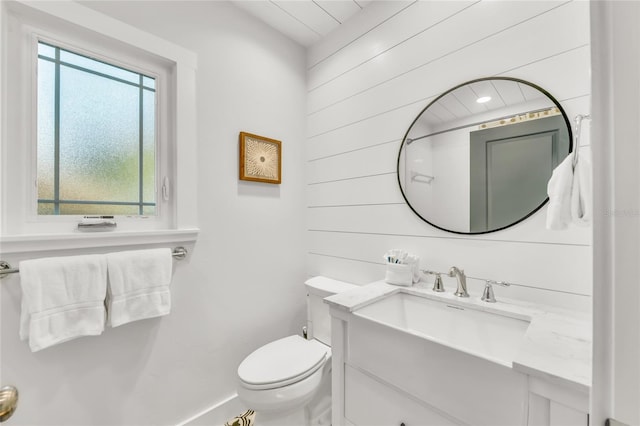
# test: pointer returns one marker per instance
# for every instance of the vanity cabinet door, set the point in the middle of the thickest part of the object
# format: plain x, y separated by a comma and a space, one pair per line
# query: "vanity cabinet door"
476, 391
555, 405
368, 402
561, 415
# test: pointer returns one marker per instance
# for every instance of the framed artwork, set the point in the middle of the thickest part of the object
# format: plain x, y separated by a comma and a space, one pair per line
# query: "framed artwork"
260, 158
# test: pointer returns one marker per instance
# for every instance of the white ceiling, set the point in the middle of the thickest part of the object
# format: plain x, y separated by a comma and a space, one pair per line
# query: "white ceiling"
505, 95
304, 21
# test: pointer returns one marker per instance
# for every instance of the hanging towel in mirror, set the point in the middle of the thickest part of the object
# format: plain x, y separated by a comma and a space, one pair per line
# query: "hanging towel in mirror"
582, 189
559, 191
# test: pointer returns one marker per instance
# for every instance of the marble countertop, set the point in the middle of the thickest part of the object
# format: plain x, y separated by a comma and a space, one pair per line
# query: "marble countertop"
556, 346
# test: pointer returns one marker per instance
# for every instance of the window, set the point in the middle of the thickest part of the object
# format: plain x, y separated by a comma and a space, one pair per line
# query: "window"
96, 136
96, 117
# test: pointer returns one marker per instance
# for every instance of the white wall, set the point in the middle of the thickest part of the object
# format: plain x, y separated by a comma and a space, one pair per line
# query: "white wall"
417, 158
451, 165
367, 83
445, 200
241, 285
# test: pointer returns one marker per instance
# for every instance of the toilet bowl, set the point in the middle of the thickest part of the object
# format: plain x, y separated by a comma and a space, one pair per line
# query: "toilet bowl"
284, 374
291, 377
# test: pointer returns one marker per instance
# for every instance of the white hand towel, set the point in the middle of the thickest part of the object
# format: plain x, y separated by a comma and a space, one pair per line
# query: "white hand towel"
62, 299
138, 285
559, 191
582, 190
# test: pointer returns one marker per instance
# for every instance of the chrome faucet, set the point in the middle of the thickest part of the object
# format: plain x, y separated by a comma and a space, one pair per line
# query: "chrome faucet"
461, 291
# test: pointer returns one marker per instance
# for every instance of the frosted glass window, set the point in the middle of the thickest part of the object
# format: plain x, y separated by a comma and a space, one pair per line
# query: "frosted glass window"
46, 130
149, 82
96, 137
46, 50
85, 63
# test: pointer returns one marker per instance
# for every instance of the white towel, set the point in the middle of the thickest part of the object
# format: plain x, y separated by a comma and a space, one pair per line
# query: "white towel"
582, 190
138, 285
62, 299
559, 191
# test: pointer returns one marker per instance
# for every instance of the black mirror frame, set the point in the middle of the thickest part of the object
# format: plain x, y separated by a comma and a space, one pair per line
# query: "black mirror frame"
517, 80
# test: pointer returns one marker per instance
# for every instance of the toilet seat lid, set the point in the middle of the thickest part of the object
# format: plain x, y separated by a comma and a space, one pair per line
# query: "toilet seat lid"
283, 360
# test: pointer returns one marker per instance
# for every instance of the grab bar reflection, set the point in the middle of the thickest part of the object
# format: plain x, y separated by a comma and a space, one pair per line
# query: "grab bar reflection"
415, 177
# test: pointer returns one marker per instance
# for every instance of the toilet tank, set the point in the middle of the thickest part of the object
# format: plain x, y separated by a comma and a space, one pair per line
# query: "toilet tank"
318, 317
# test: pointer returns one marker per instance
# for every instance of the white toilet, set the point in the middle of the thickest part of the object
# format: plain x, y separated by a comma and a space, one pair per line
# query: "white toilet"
288, 381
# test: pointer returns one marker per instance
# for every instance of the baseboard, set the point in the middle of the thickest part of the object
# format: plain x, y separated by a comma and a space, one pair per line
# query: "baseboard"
217, 414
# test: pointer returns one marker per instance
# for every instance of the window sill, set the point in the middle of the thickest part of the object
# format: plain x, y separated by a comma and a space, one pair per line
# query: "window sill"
84, 240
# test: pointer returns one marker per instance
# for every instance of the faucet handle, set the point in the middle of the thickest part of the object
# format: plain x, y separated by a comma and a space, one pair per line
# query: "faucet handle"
488, 295
437, 284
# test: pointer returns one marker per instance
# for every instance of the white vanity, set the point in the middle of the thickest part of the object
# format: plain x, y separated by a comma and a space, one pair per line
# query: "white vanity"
409, 356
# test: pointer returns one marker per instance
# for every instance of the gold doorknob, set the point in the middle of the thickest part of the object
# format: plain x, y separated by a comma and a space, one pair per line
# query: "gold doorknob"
8, 402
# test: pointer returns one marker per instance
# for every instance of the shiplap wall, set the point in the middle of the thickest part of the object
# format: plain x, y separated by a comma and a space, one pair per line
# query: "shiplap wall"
366, 84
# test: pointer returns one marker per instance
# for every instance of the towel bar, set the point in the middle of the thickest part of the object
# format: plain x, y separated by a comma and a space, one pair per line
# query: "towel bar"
6, 269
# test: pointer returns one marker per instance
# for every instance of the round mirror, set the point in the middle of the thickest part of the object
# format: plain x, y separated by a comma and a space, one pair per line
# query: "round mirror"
478, 158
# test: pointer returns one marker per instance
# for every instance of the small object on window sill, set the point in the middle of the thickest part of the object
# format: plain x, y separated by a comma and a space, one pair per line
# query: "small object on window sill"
97, 224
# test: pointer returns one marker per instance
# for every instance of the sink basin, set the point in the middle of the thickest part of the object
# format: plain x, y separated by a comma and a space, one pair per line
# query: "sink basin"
489, 335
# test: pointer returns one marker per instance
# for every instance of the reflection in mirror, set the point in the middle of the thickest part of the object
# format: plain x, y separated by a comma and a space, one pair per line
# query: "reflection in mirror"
478, 158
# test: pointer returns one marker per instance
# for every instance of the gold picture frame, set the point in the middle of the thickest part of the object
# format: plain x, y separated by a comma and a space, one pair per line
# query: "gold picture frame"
260, 158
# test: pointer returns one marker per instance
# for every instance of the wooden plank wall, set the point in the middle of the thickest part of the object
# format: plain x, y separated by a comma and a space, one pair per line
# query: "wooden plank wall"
366, 84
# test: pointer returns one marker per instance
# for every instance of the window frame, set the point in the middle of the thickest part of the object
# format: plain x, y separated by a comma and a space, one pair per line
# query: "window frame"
160, 117
70, 24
